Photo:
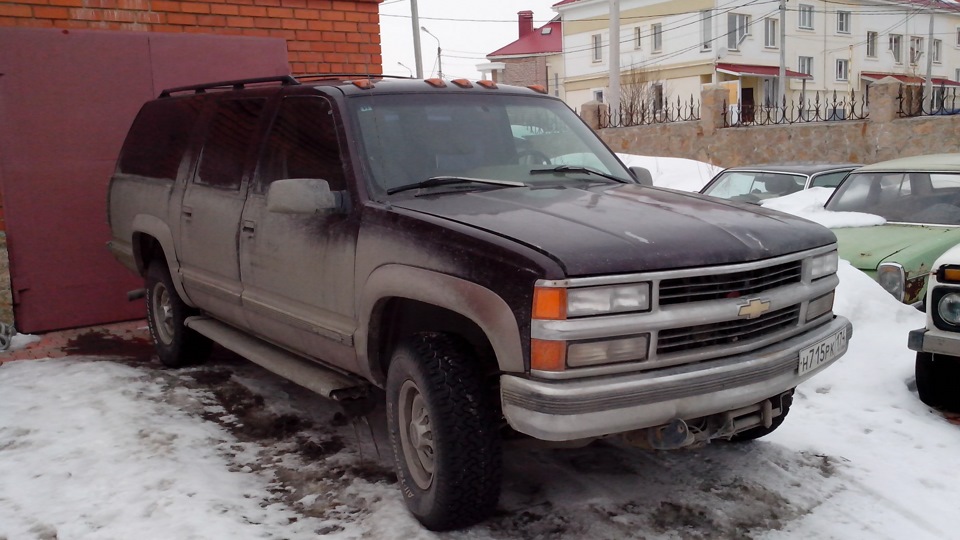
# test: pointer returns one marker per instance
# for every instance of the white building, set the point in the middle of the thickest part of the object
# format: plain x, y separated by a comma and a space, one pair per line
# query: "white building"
676, 46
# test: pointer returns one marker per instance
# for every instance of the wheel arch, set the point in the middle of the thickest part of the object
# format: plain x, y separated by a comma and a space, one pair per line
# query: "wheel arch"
152, 238
398, 300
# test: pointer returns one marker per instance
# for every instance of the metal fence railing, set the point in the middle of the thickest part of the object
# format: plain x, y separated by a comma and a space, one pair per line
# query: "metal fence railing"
647, 113
832, 108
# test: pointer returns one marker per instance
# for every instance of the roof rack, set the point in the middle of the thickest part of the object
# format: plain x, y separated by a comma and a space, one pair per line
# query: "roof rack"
323, 76
235, 85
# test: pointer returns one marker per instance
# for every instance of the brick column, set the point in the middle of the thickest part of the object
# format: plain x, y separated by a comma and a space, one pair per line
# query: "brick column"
591, 113
712, 101
884, 104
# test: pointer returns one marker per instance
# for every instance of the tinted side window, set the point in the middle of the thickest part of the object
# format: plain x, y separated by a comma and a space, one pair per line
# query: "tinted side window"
227, 145
159, 137
303, 144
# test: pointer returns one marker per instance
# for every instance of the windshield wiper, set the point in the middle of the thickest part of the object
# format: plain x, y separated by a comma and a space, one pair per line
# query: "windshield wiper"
583, 170
447, 180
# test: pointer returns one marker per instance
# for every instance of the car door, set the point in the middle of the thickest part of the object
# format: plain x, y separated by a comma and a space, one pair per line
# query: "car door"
212, 204
298, 270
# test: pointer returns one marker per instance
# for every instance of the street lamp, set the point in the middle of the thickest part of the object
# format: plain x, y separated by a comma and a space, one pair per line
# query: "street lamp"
401, 64
439, 57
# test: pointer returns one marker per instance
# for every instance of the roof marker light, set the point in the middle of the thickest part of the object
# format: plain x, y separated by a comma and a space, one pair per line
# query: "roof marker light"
363, 84
538, 88
462, 83
489, 85
436, 83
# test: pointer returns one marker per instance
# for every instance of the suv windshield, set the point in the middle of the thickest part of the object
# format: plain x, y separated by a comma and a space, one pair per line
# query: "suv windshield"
754, 186
410, 138
908, 197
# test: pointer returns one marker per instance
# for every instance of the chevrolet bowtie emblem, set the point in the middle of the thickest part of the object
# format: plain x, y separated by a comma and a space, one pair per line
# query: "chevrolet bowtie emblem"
754, 308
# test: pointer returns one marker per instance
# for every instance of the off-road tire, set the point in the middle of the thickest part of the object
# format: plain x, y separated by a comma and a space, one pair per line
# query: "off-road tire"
176, 345
433, 383
938, 380
762, 431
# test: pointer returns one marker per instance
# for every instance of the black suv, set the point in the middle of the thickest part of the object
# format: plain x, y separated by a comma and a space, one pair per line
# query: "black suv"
476, 251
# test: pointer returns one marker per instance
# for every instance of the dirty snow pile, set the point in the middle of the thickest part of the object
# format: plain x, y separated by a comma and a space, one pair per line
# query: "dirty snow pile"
809, 203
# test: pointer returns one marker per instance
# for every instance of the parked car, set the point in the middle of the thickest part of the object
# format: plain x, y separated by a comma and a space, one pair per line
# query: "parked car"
755, 183
494, 279
920, 199
938, 344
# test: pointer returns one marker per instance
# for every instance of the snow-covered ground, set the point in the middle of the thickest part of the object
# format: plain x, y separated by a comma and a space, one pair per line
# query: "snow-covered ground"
117, 448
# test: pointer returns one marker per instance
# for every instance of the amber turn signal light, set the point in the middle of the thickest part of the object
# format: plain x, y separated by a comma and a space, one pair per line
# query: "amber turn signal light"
548, 355
948, 274
549, 303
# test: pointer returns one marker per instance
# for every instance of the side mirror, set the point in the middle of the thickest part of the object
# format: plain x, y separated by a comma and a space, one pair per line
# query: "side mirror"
302, 196
642, 175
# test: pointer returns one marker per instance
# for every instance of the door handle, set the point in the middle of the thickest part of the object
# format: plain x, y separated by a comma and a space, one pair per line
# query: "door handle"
248, 226
187, 211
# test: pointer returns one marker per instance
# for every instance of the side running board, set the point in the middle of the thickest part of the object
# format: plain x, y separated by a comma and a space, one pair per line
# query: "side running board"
322, 380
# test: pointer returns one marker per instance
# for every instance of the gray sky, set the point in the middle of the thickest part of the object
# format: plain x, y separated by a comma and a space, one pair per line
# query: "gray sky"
468, 31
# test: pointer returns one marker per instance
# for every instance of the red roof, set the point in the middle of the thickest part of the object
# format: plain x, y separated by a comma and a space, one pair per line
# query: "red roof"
547, 39
564, 2
758, 71
912, 80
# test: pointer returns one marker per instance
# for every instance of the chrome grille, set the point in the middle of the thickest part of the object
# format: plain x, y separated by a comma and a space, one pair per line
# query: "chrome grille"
727, 332
732, 285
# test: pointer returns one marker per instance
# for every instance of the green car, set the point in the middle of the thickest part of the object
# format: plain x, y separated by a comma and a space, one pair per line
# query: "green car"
920, 199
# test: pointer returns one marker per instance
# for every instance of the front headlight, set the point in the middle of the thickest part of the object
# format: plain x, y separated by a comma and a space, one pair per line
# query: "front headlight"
891, 278
949, 308
606, 300
824, 265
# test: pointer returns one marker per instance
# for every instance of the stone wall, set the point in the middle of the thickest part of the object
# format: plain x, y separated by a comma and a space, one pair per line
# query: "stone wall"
881, 137
525, 71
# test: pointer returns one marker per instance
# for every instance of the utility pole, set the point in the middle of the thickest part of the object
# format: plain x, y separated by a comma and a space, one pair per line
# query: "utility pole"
928, 84
417, 58
614, 57
782, 79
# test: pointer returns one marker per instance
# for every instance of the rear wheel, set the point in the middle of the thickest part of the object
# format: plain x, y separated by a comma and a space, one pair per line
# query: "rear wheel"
176, 344
938, 380
443, 431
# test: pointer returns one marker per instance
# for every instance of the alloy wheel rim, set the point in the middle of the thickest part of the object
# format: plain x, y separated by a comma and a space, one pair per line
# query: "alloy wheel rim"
416, 435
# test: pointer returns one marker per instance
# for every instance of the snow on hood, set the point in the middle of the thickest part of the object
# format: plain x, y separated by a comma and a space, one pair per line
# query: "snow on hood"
808, 204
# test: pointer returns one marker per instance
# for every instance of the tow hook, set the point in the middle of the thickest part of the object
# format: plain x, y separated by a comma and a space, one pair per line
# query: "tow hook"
670, 436
136, 294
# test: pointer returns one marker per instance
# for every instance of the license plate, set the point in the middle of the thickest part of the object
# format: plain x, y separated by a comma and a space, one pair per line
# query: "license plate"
823, 351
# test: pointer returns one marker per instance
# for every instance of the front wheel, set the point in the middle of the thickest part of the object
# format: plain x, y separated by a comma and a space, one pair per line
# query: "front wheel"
938, 380
176, 344
443, 431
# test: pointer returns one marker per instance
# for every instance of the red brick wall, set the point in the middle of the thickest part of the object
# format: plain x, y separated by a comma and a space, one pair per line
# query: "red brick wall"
323, 36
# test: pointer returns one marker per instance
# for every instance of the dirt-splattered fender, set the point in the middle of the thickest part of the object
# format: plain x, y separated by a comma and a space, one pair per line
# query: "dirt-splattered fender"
157, 228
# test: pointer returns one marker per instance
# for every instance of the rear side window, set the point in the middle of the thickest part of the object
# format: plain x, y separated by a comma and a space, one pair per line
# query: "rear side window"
158, 138
227, 146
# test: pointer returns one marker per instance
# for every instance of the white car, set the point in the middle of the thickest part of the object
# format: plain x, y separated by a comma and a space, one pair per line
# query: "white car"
938, 345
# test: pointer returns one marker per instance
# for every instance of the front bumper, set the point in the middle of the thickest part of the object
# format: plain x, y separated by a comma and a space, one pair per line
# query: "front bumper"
926, 340
561, 410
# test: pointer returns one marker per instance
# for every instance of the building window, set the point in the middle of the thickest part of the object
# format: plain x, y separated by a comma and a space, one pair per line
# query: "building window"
843, 22
637, 38
597, 48
738, 28
956, 74
805, 65
806, 17
656, 36
598, 96
843, 67
706, 30
896, 47
958, 37
916, 49
770, 90
657, 95
556, 84
770, 33
871, 44
937, 50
